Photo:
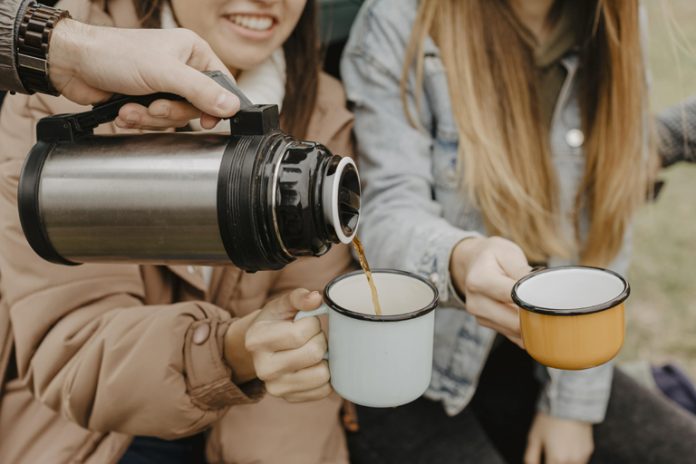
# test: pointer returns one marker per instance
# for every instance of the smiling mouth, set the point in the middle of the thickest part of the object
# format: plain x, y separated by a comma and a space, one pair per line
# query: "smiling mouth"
252, 22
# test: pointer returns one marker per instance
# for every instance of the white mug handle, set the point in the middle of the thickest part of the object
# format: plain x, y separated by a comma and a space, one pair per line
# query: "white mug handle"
320, 311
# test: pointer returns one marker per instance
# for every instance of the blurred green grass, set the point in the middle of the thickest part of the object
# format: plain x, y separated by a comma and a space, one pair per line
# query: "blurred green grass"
662, 307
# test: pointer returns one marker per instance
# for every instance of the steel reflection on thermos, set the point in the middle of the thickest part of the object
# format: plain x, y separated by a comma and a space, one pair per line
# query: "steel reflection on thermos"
258, 197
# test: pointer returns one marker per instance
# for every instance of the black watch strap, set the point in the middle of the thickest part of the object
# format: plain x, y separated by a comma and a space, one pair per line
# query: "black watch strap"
33, 38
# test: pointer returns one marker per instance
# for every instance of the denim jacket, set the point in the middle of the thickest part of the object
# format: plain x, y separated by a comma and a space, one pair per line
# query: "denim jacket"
414, 212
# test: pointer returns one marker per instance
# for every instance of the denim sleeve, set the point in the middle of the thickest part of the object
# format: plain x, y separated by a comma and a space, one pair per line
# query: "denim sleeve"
401, 223
577, 395
677, 133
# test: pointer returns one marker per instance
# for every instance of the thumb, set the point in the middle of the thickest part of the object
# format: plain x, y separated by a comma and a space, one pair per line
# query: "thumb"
200, 90
286, 306
533, 453
515, 264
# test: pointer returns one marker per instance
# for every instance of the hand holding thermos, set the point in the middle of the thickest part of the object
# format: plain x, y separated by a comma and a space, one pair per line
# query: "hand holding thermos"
86, 68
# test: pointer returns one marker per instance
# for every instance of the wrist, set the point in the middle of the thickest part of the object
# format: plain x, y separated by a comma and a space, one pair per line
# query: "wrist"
462, 254
68, 41
237, 357
33, 38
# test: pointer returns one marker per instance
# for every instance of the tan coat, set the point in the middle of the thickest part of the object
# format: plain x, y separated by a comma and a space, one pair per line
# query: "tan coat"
104, 352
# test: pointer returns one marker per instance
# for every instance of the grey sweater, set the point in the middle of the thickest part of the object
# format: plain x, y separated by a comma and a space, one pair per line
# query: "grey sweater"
676, 128
9, 11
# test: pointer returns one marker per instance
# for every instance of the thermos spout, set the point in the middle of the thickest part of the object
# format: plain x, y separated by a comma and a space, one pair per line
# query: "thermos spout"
341, 199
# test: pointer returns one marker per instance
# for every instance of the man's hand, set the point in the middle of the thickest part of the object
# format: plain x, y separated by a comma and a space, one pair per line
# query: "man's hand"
289, 355
560, 441
89, 63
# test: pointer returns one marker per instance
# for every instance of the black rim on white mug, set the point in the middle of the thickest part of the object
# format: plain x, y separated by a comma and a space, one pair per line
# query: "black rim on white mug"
383, 318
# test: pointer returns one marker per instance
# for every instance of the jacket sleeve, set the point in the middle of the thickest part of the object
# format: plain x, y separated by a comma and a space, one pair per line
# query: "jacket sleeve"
313, 273
676, 128
576, 395
85, 342
9, 11
401, 223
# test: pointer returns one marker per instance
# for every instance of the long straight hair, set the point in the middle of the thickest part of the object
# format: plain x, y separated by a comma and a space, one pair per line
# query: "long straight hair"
303, 63
504, 149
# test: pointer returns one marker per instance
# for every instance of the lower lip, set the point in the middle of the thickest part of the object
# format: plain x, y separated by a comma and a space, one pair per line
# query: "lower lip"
250, 33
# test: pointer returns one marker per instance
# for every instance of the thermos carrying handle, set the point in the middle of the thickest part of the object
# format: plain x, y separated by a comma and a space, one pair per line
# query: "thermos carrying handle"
69, 127
108, 111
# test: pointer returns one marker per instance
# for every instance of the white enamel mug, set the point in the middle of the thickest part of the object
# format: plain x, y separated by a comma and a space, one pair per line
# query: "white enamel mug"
379, 361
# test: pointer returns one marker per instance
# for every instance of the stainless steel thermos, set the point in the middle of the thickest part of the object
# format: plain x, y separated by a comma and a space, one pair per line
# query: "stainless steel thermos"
256, 197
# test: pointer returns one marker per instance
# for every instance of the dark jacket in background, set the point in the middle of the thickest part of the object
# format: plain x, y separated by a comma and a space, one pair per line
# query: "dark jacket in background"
677, 133
9, 10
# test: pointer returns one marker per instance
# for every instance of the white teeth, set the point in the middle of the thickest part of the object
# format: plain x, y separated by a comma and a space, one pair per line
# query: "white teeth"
255, 23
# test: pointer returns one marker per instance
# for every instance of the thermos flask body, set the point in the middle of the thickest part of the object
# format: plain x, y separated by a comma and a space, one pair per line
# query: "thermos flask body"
257, 201
150, 198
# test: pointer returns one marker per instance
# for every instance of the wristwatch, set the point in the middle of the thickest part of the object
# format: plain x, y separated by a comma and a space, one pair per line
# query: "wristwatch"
33, 38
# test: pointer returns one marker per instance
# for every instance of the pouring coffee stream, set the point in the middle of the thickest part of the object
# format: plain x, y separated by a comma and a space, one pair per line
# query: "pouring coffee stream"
360, 251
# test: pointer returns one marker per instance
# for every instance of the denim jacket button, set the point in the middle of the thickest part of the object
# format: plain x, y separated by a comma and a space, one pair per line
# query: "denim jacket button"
575, 138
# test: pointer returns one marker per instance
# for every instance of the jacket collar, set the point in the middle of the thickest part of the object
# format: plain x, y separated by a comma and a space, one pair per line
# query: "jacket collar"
192, 275
327, 119
223, 282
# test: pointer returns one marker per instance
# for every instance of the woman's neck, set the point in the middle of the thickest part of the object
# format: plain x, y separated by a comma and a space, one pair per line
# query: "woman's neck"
533, 14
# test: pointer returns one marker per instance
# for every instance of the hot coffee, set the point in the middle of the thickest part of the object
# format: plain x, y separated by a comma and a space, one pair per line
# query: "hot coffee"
366, 269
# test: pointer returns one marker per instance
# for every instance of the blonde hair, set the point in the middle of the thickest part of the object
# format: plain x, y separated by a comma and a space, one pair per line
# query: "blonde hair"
504, 152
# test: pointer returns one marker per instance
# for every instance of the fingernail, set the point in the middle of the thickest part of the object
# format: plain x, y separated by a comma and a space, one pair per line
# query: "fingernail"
132, 118
120, 122
225, 102
313, 294
160, 111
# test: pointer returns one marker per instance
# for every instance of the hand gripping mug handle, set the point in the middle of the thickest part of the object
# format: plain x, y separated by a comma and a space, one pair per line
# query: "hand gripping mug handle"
320, 311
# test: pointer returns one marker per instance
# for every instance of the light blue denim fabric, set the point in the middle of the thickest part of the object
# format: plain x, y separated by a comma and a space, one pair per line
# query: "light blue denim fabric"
414, 212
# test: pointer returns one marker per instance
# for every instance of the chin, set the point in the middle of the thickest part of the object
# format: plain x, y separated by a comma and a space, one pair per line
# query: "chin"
244, 60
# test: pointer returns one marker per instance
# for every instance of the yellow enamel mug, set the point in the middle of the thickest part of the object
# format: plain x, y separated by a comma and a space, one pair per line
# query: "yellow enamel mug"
572, 317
